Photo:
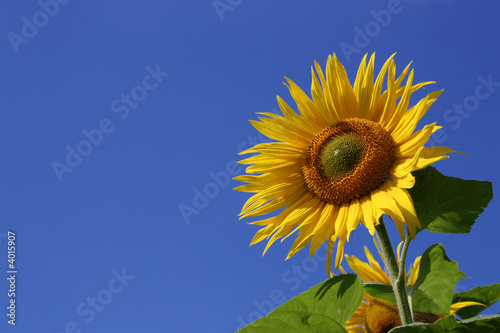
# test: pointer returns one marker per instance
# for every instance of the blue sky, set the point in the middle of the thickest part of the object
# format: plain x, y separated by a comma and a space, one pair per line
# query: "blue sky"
115, 113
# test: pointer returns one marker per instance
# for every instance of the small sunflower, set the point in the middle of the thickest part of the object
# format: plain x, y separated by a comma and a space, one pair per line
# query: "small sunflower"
376, 315
345, 158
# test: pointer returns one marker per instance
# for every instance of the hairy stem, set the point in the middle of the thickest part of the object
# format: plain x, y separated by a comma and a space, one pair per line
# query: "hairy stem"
400, 281
394, 272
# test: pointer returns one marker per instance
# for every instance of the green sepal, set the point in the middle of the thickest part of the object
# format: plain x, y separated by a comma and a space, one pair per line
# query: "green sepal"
448, 204
325, 307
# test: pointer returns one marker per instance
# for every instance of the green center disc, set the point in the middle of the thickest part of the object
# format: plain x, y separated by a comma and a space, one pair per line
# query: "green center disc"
340, 155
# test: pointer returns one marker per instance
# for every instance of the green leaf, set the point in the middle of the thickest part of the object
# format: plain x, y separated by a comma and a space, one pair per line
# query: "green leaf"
381, 291
433, 291
481, 324
487, 295
325, 307
448, 204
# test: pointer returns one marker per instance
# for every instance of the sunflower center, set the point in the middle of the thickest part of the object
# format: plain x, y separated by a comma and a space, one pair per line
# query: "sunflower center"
348, 160
382, 316
341, 155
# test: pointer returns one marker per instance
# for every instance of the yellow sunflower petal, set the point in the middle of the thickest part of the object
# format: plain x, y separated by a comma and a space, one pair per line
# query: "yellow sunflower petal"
415, 141
306, 233
405, 205
460, 305
406, 181
376, 269
322, 235
307, 108
362, 269
354, 216
340, 250
375, 111
332, 111
318, 97
368, 272
262, 234
405, 166
363, 86
410, 119
370, 219
390, 100
430, 155
348, 97
402, 105
329, 251
340, 232
415, 269
384, 201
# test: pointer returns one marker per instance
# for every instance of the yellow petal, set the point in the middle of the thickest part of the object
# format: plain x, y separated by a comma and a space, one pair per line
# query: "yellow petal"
369, 217
402, 105
391, 97
340, 251
384, 201
416, 140
406, 181
329, 251
262, 234
403, 167
354, 216
430, 155
406, 206
375, 112
325, 233
411, 118
414, 271
309, 111
381, 275
460, 305
363, 86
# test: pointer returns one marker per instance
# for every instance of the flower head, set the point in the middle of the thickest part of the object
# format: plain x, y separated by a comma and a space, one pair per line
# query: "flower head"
376, 315
345, 158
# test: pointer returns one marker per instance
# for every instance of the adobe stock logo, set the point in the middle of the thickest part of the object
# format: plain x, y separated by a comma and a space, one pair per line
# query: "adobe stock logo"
39, 19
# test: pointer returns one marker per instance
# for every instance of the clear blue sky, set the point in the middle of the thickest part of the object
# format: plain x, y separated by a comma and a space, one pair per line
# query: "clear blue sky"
114, 113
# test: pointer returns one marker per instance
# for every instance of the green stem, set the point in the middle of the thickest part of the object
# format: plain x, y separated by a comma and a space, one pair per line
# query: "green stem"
394, 274
400, 281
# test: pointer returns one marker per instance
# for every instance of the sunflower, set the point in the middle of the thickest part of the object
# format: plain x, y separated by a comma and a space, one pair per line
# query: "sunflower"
345, 158
376, 315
